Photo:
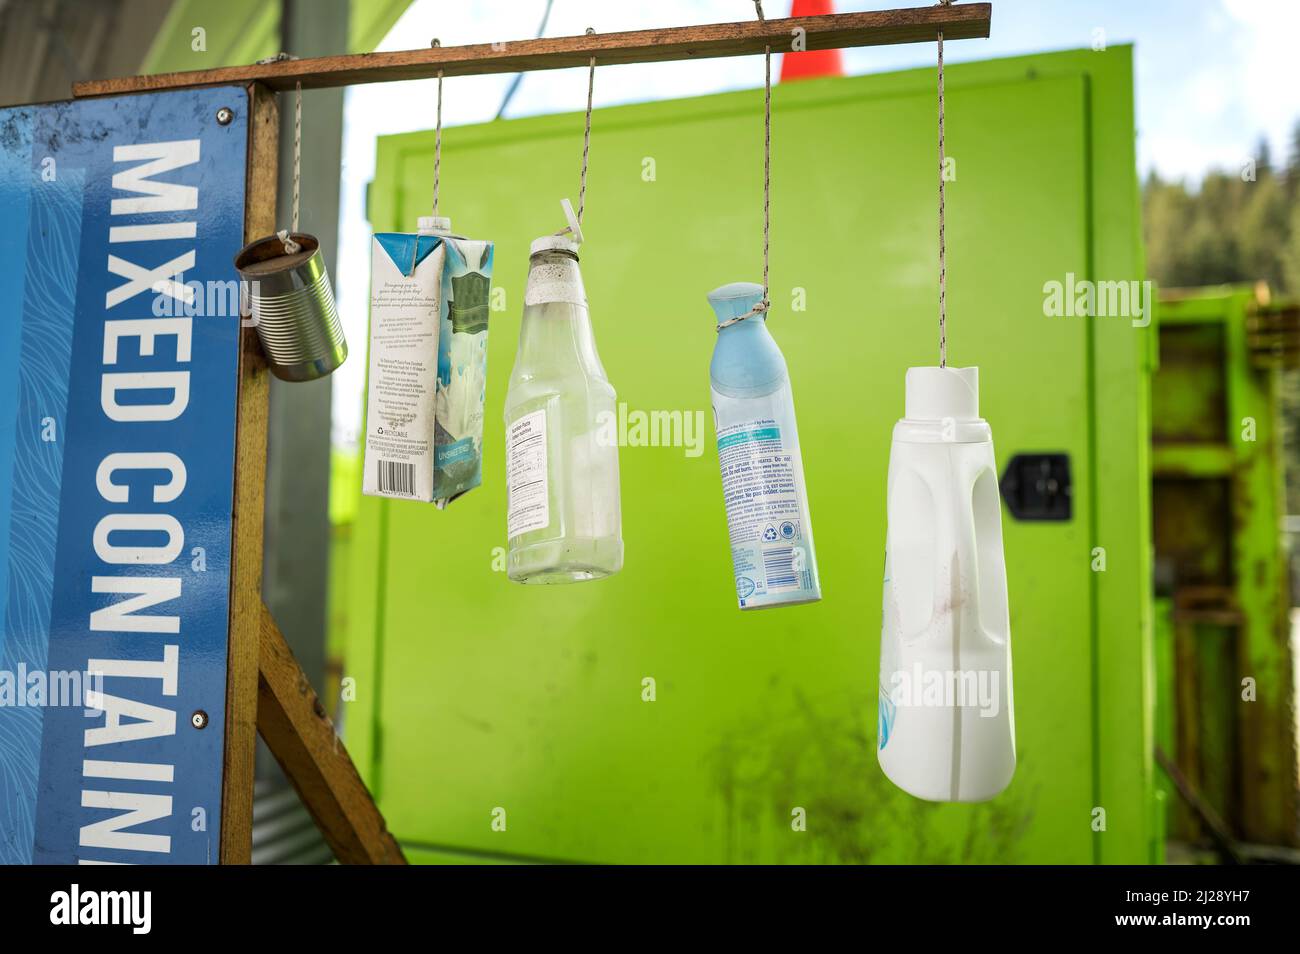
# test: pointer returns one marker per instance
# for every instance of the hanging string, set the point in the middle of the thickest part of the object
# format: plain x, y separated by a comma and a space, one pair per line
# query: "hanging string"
586, 143
943, 249
765, 302
286, 235
437, 139
290, 246
767, 154
297, 150
586, 135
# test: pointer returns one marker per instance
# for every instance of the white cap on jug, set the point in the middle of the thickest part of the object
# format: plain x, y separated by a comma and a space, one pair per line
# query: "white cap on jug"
936, 393
433, 224
553, 243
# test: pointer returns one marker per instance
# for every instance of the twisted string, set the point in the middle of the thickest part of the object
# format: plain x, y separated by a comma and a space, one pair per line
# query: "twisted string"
765, 303
943, 247
586, 136
286, 235
437, 140
586, 143
286, 238
767, 156
297, 150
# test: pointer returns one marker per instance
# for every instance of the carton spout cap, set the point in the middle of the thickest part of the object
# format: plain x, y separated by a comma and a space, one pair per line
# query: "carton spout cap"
937, 393
434, 225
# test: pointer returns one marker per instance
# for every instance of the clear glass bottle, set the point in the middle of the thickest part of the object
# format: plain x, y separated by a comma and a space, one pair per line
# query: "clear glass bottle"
563, 519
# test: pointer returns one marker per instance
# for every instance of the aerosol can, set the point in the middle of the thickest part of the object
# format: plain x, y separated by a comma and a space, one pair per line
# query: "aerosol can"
772, 553
946, 725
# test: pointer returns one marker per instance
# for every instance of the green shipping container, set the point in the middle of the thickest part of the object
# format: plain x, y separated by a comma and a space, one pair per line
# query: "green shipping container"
481, 700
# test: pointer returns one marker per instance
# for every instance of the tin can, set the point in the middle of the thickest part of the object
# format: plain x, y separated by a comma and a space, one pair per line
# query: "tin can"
291, 303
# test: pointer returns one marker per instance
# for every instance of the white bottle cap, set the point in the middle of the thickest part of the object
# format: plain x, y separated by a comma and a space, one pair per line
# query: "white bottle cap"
434, 224
937, 393
553, 243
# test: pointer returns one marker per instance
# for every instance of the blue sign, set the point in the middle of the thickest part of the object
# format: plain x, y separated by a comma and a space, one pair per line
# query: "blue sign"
119, 348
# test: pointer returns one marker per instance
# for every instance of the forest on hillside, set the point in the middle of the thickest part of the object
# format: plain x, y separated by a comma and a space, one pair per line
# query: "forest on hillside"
1239, 225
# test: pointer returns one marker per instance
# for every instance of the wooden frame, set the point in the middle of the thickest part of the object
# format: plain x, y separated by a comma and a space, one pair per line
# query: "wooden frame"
247, 512
833, 31
266, 690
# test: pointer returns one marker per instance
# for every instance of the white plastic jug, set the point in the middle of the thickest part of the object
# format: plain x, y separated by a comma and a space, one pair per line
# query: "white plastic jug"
947, 729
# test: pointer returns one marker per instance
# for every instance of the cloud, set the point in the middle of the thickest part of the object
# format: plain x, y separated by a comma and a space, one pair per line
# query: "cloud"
1266, 84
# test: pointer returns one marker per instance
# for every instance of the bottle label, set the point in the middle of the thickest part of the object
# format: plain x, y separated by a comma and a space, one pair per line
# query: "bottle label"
526, 484
770, 549
554, 282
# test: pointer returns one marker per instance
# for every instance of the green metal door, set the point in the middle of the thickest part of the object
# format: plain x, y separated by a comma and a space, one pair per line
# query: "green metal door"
475, 694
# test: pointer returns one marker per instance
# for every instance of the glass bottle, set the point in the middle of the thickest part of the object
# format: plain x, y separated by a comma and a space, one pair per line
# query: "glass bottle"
563, 520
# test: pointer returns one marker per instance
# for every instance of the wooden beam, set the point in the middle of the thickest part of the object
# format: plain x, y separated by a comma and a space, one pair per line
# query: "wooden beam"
246, 521
838, 30
301, 737
1204, 810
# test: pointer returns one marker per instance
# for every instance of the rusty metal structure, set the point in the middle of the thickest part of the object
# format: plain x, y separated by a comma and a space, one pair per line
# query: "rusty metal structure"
1224, 660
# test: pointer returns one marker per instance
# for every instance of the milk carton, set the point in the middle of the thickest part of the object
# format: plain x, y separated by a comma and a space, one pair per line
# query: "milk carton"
462, 362
406, 300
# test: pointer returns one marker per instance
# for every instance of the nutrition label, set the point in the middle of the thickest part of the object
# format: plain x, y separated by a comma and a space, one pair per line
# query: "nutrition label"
526, 485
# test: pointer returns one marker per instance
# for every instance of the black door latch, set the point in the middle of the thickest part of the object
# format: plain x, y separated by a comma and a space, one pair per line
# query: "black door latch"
1037, 487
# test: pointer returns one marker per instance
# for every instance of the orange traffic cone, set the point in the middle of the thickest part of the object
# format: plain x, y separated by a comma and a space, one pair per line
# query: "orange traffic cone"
811, 62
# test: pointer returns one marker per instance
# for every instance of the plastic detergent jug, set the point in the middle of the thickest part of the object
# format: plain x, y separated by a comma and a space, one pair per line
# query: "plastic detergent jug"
758, 450
947, 729
563, 519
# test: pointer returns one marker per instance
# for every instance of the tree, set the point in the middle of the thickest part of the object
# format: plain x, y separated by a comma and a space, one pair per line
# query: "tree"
1291, 256
1293, 164
1231, 229
1264, 233
1263, 158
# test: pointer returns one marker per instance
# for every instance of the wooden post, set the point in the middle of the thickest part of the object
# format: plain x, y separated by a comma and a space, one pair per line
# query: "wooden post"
302, 739
247, 514
266, 690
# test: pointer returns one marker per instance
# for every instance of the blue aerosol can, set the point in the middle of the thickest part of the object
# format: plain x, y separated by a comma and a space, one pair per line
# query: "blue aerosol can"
771, 535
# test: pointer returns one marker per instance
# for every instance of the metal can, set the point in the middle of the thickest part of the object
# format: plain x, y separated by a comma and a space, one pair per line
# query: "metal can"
291, 303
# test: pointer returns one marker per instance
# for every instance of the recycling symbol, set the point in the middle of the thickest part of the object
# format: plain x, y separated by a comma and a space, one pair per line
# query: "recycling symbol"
770, 533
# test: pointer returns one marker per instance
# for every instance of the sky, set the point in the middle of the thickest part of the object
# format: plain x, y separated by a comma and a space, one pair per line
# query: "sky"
1212, 78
